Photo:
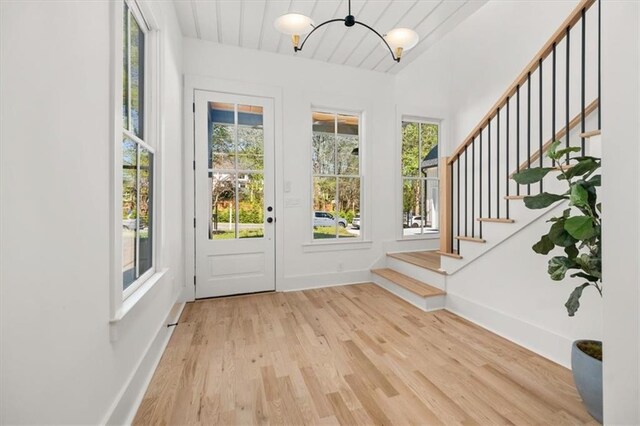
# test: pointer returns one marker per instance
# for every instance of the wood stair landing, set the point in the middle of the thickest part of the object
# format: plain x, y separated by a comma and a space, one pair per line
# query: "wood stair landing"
416, 287
424, 259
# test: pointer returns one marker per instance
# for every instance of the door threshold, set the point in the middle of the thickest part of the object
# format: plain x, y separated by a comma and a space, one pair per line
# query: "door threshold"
235, 295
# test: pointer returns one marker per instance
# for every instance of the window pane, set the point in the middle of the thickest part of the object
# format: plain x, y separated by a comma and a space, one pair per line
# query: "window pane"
145, 209
430, 207
348, 206
125, 68
221, 113
222, 149
129, 210
348, 146
429, 155
250, 138
412, 206
223, 206
324, 143
251, 206
324, 200
410, 149
136, 60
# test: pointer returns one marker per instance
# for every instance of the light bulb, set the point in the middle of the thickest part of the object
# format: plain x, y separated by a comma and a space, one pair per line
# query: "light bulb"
294, 24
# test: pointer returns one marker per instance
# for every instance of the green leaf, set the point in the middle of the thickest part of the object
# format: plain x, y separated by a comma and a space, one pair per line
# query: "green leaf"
580, 227
573, 303
579, 196
551, 152
541, 201
592, 265
544, 246
558, 267
559, 235
582, 167
571, 251
595, 180
587, 277
534, 175
565, 151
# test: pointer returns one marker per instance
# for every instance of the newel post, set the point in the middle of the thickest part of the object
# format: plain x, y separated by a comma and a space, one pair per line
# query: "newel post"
446, 242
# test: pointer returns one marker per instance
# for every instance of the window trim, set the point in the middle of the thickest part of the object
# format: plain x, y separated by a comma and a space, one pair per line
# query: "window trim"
360, 113
422, 119
152, 134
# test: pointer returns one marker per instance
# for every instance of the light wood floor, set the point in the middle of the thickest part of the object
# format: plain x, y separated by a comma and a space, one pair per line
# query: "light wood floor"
349, 355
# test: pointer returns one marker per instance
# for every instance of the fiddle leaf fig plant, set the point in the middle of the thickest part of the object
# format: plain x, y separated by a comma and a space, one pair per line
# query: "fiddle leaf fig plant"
577, 230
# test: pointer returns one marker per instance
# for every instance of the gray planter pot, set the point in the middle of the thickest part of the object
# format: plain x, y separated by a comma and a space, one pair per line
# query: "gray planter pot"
587, 374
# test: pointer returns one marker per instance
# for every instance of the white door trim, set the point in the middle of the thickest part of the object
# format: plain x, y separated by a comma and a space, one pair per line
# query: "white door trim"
191, 84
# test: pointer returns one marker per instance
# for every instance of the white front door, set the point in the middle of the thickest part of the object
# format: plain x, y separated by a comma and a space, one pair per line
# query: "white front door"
234, 198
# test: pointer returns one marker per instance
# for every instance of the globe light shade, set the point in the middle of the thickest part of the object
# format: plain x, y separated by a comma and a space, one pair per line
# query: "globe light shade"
402, 38
294, 24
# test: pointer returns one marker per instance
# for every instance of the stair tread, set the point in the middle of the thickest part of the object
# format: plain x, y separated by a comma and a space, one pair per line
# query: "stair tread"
495, 219
451, 255
514, 197
470, 239
590, 133
408, 283
424, 259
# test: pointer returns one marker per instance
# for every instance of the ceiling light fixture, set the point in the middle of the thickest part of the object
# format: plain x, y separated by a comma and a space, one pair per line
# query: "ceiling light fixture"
398, 40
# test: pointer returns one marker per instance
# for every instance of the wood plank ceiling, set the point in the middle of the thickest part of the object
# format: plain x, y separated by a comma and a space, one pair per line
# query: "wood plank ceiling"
249, 24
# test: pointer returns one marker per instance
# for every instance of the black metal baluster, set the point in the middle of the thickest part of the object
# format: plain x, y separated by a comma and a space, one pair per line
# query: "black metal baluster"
466, 192
553, 99
518, 135
480, 183
583, 86
498, 163
529, 127
489, 168
567, 92
507, 154
458, 190
540, 160
473, 187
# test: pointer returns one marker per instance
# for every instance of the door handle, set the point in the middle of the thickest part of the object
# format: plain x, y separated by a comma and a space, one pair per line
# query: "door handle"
269, 220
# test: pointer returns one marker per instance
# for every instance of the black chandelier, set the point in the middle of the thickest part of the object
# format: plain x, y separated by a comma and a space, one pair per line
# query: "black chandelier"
398, 40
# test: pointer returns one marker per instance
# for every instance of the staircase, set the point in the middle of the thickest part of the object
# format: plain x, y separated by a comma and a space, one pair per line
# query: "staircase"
481, 206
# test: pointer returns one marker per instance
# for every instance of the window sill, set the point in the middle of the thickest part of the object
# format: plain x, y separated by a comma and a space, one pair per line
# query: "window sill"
336, 246
131, 301
434, 236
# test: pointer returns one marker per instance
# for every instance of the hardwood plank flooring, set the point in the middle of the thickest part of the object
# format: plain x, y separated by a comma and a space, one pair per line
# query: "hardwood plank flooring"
348, 355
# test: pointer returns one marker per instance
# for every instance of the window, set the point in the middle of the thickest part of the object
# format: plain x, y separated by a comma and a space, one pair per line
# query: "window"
419, 177
137, 155
236, 171
336, 175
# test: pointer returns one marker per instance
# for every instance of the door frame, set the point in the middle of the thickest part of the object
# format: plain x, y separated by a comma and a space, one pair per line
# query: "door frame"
191, 84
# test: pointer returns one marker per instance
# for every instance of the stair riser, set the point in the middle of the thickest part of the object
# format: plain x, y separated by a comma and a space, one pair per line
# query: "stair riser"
421, 274
425, 303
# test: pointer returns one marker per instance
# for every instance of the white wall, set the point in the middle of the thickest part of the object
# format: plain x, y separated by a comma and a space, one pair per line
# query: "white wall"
507, 290
304, 83
621, 210
58, 363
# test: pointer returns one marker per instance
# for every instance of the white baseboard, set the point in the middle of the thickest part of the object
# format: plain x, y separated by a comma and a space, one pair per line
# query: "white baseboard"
124, 409
543, 342
307, 282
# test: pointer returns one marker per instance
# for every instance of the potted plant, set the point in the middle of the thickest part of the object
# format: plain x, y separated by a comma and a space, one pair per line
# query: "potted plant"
578, 232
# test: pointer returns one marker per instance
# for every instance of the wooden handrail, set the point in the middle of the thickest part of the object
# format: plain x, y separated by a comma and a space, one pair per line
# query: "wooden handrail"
559, 135
558, 36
